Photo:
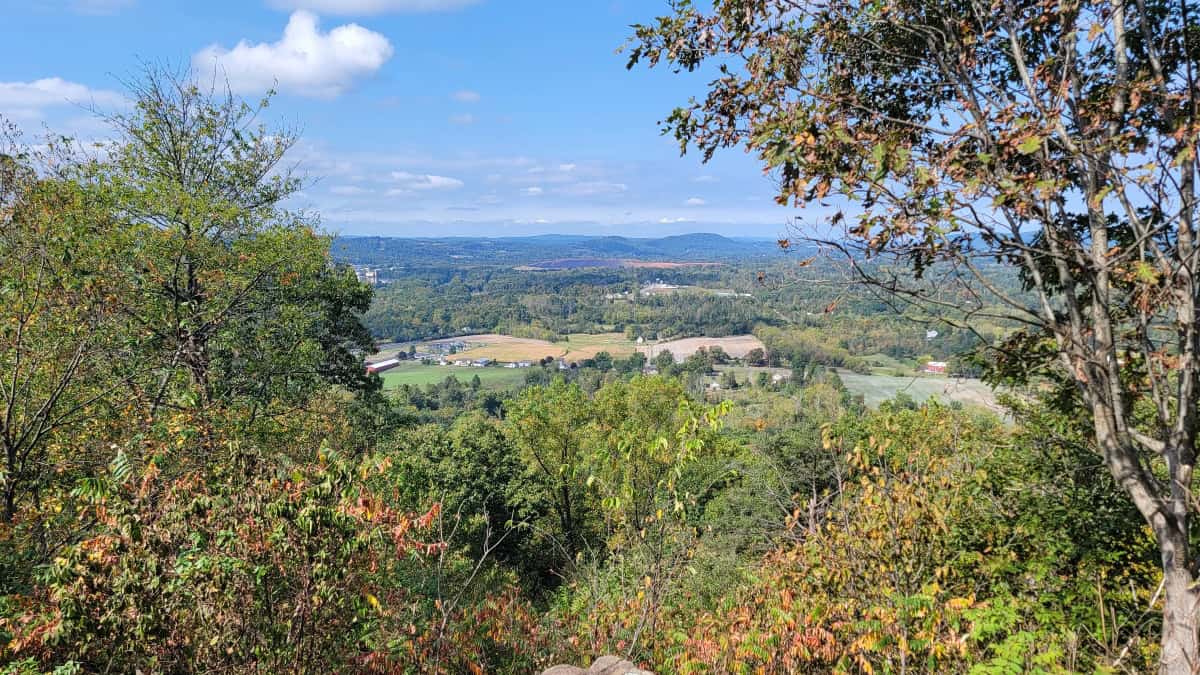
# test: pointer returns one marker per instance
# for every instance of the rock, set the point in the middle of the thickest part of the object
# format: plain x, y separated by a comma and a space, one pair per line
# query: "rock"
605, 665
615, 665
564, 670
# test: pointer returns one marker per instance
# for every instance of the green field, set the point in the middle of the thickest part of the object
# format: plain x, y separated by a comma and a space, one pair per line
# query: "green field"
882, 364
419, 374
750, 373
878, 388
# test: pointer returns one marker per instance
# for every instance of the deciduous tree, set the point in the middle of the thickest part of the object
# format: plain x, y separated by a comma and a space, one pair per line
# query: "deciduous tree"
1059, 137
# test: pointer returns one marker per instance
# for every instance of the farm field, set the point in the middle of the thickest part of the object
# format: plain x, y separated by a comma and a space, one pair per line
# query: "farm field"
420, 375
505, 348
745, 373
878, 388
583, 346
577, 347
882, 364
736, 346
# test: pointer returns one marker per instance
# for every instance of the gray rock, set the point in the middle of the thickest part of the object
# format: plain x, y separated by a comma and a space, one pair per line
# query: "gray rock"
615, 665
564, 670
605, 665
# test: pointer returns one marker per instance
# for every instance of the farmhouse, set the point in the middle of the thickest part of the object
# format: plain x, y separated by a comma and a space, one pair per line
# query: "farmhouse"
448, 347
938, 367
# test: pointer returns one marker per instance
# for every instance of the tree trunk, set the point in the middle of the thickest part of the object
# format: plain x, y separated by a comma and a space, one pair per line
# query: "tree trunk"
10, 483
10, 502
1180, 649
1169, 516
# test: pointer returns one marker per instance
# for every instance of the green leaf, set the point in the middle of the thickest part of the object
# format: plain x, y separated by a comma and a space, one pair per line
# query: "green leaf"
1030, 145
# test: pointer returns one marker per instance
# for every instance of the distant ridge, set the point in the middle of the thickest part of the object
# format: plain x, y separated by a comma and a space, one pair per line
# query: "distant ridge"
695, 247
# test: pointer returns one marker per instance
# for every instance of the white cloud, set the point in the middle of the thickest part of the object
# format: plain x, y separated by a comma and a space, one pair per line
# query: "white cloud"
413, 182
466, 96
566, 168
705, 179
305, 60
464, 119
672, 221
28, 99
359, 7
534, 191
695, 201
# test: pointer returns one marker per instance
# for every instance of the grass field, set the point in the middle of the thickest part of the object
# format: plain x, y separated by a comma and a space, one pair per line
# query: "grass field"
882, 364
577, 347
747, 373
419, 374
878, 388
736, 346
582, 346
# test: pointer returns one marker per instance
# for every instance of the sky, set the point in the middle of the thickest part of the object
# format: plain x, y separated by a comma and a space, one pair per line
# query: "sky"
417, 117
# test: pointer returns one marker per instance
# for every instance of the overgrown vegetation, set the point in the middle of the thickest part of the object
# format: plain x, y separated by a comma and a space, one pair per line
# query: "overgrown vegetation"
200, 476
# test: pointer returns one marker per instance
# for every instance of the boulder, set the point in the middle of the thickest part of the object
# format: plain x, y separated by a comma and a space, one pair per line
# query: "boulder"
615, 665
605, 665
564, 670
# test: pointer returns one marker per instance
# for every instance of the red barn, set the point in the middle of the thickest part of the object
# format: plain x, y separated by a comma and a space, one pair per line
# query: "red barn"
938, 367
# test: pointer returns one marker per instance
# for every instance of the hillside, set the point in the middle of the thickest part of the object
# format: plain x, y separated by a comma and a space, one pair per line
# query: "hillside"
421, 252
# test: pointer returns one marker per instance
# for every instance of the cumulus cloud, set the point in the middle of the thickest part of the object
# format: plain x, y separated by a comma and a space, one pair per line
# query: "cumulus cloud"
695, 201
534, 191
304, 61
29, 99
360, 7
672, 221
466, 96
406, 182
566, 168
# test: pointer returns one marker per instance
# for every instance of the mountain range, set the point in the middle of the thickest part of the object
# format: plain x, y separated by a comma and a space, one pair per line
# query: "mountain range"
696, 247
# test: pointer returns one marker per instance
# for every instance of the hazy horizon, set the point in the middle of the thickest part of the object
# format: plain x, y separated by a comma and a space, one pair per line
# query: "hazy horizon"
558, 234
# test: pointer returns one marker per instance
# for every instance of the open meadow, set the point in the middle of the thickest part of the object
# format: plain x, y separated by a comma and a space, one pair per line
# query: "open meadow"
506, 348
582, 346
878, 388
736, 346
418, 374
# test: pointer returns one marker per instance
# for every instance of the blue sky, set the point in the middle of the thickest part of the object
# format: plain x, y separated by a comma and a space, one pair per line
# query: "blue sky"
418, 117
